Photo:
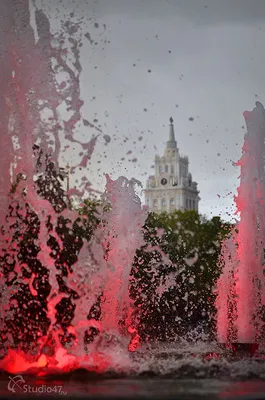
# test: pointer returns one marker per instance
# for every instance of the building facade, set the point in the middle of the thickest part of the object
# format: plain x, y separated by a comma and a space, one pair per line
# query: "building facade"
172, 187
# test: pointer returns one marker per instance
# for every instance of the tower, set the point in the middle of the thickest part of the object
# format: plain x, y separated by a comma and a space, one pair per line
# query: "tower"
172, 187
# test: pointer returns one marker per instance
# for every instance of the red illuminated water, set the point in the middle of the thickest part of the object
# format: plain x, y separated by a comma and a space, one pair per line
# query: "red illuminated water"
241, 286
78, 312
28, 85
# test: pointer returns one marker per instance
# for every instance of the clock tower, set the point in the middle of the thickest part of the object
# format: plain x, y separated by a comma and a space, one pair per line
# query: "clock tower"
172, 187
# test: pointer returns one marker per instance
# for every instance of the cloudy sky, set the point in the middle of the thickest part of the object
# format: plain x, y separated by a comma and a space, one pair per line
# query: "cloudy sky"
200, 61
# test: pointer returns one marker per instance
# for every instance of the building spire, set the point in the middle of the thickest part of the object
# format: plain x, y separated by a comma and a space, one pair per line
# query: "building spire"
171, 143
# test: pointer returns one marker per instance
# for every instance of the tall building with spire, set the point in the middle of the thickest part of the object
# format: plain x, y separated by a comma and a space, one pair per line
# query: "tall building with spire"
172, 187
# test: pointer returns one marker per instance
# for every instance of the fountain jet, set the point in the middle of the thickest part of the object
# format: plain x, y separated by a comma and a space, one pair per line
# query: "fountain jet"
241, 287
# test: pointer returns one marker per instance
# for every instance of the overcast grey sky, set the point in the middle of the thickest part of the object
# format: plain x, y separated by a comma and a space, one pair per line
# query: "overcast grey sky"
146, 60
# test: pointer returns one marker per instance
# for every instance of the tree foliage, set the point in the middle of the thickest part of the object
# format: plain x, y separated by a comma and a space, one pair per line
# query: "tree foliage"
172, 279
175, 273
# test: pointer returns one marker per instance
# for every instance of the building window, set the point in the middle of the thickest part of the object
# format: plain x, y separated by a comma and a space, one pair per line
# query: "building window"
190, 205
187, 204
172, 169
172, 202
155, 203
163, 203
193, 204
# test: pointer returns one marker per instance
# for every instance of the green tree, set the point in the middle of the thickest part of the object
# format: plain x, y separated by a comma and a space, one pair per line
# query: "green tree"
175, 272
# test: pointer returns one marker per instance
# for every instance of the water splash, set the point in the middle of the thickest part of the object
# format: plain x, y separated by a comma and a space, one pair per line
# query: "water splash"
241, 287
67, 294
64, 300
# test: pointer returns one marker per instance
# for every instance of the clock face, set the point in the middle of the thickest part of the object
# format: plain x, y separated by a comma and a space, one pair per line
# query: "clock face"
163, 181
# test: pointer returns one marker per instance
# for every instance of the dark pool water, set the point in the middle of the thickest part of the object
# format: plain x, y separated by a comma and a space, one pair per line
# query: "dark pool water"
129, 388
198, 371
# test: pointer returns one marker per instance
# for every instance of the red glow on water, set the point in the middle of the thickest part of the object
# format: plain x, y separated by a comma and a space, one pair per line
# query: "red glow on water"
134, 343
135, 338
16, 362
211, 356
245, 390
32, 290
208, 356
62, 362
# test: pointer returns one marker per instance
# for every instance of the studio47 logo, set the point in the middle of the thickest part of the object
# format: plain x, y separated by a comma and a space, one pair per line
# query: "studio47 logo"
17, 384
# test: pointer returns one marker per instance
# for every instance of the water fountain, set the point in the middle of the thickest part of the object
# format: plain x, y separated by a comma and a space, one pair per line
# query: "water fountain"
45, 301
240, 300
52, 319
